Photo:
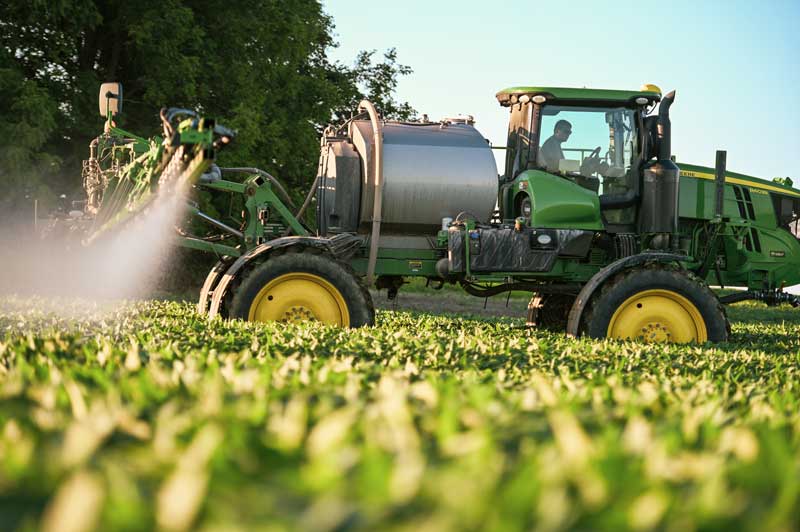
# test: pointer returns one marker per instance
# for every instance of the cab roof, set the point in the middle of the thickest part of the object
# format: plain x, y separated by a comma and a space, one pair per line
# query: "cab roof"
510, 96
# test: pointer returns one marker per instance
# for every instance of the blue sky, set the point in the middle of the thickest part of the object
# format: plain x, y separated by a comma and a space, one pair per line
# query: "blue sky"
734, 64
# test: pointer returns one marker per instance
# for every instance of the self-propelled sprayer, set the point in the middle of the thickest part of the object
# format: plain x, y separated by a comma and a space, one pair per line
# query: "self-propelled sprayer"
591, 214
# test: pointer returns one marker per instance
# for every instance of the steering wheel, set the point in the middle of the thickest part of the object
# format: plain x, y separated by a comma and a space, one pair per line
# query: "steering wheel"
591, 163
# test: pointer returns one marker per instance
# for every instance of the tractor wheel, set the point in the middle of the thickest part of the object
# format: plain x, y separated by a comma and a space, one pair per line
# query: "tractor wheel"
302, 286
550, 311
657, 303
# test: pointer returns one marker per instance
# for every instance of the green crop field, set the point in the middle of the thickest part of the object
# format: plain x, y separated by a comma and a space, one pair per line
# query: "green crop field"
145, 416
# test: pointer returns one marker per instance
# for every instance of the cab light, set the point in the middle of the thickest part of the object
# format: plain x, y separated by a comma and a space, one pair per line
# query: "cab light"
649, 87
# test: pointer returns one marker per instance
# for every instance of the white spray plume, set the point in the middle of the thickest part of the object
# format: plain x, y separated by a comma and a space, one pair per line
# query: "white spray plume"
124, 263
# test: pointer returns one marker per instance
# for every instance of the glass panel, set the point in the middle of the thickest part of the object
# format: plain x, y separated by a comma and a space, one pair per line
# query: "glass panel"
595, 146
519, 131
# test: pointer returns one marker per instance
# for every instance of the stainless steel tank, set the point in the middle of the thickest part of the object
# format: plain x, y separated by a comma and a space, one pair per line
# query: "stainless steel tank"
430, 172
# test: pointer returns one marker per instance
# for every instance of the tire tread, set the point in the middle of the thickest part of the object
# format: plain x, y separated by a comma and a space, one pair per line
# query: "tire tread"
597, 311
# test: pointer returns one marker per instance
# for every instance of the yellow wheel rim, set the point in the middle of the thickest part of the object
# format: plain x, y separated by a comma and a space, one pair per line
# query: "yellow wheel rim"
298, 297
658, 316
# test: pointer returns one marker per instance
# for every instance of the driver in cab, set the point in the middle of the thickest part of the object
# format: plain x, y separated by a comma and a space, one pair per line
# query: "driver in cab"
550, 154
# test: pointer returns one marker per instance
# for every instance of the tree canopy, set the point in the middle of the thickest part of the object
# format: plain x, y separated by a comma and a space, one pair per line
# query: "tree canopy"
260, 67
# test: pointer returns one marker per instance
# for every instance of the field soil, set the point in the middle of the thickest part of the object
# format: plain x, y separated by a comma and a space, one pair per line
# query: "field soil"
455, 304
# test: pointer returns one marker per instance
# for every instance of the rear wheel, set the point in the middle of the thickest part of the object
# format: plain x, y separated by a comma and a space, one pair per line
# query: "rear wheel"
657, 304
298, 287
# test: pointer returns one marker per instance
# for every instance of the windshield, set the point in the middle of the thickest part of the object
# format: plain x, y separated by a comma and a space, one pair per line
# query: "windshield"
596, 146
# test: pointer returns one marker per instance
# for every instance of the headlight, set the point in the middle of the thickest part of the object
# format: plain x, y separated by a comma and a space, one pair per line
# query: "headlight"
525, 208
544, 239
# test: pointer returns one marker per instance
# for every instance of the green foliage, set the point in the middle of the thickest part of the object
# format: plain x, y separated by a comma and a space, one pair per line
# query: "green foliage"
259, 67
29, 119
381, 82
146, 414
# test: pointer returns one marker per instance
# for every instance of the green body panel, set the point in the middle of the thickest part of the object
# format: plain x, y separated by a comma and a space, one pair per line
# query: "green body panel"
398, 267
557, 202
210, 247
698, 196
226, 186
755, 251
403, 262
776, 263
706, 173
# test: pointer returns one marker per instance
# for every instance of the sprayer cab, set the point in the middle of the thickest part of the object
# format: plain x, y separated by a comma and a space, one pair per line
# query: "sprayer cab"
611, 142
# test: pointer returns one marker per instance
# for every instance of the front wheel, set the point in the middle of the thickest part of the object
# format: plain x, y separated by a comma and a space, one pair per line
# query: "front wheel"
298, 287
657, 304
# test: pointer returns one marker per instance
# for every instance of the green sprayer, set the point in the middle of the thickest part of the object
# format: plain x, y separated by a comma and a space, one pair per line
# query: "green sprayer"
591, 214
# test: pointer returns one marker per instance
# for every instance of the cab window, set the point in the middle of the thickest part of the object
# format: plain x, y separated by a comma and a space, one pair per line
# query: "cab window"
595, 146
519, 148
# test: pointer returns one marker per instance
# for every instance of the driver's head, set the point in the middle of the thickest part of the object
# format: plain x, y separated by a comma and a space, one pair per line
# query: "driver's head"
562, 130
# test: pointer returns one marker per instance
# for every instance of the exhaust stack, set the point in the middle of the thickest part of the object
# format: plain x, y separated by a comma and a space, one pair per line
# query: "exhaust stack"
665, 127
660, 188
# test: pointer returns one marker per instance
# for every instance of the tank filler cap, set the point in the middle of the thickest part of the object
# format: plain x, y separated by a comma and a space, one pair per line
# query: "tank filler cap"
460, 119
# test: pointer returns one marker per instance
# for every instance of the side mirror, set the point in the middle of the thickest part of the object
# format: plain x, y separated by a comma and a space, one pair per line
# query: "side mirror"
110, 99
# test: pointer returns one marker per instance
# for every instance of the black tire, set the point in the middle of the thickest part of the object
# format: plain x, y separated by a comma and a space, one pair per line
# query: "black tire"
356, 297
670, 280
550, 311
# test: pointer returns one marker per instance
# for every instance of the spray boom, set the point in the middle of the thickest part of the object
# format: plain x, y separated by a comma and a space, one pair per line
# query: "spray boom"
125, 174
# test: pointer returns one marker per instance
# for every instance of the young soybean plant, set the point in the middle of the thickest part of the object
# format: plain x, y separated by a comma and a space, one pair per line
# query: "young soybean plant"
144, 415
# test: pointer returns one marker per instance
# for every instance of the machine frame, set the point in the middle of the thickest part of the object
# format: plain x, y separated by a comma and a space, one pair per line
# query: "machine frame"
728, 229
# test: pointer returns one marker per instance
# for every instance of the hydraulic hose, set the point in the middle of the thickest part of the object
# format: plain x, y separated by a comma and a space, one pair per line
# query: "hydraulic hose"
323, 144
308, 199
377, 205
770, 297
490, 291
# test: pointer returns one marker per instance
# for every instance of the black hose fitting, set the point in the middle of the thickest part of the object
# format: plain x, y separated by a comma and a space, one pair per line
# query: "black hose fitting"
770, 297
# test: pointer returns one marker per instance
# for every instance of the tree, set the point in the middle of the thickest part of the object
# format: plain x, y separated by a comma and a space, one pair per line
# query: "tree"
259, 67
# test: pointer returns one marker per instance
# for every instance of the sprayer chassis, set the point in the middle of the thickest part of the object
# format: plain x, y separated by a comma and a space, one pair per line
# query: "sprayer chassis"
591, 272
758, 267
739, 262
693, 227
